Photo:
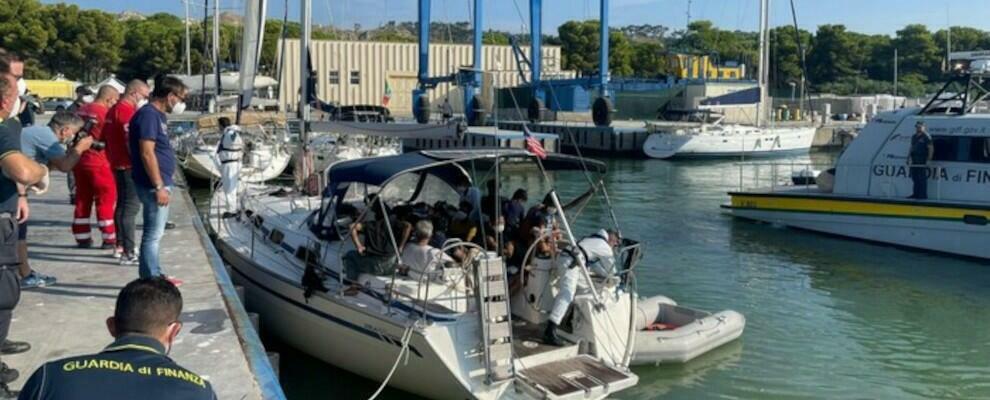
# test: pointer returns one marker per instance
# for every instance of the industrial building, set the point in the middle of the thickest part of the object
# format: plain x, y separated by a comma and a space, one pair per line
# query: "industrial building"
354, 72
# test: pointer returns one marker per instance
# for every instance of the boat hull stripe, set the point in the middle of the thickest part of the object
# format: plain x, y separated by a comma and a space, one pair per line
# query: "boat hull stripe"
852, 207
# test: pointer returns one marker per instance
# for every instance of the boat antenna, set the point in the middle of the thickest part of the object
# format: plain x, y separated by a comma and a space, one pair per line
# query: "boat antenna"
281, 56
801, 53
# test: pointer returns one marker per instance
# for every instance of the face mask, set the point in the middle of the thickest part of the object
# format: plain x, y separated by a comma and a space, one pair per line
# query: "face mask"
142, 103
88, 98
17, 107
21, 87
178, 108
500, 228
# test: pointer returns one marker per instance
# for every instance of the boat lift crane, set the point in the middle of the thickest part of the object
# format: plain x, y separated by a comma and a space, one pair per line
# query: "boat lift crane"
470, 78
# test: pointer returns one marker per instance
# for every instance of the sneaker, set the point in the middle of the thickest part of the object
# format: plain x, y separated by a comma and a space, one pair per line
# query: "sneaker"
129, 260
84, 244
7, 374
169, 225
34, 279
118, 252
175, 281
9, 347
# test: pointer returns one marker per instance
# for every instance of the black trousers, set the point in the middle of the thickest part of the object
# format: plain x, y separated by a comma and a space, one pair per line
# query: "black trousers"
128, 207
10, 295
920, 182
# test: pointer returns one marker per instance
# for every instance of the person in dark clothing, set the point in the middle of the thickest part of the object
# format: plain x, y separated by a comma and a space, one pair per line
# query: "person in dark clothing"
376, 253
515, 211
921, 153
18, 172
446, 110
144, 325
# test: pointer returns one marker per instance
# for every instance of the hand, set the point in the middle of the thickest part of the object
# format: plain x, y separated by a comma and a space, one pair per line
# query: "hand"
162, 195
360, 249
23, 212
41, 186
83, 144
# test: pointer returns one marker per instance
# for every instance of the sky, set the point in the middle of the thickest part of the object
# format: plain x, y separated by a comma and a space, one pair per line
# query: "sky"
866, 16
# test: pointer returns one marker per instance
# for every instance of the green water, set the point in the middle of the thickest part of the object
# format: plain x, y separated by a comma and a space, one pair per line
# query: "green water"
826, 317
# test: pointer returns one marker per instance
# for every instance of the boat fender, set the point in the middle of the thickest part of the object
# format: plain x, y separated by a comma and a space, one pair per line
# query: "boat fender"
312, 281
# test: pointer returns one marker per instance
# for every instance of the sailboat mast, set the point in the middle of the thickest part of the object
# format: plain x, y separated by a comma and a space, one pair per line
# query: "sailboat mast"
764, 67
216, 50
188, 45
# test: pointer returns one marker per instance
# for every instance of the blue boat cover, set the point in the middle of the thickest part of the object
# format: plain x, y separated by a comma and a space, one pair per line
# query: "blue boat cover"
746, 96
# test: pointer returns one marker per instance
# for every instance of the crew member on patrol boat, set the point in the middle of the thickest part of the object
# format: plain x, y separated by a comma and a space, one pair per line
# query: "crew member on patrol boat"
229, 153
598, 253
136, 365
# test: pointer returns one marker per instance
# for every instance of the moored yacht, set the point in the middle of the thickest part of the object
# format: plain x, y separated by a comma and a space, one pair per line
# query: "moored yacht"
866, 194
461, 331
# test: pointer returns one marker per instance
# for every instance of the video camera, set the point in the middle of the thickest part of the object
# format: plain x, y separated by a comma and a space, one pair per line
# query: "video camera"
86, 131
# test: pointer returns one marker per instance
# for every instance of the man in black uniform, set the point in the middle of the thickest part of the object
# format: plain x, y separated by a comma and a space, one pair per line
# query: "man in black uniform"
135, 366
920, 154
17, 172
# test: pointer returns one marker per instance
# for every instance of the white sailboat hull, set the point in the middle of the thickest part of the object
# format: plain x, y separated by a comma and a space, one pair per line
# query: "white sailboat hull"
268, 165
731, 141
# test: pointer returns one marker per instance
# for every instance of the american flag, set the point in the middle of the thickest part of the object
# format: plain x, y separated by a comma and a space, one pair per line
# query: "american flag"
533, 144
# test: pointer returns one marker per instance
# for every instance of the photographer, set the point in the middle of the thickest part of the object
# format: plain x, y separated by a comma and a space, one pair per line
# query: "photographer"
94, 179
43, 144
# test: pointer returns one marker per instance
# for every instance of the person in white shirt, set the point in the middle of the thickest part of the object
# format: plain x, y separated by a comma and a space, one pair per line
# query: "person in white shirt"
599, 255
419, 256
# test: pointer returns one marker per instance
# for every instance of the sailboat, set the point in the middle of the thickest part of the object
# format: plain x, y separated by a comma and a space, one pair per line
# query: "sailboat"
734, 140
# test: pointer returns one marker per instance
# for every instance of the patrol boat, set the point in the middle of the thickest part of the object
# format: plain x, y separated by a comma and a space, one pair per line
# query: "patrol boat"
865, 195
458, 332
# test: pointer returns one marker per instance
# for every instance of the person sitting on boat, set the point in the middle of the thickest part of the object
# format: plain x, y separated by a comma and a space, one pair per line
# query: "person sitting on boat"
920, 154
598, 253
540, 224
514, 211
229, 153
420, 256
462, 226
376, 253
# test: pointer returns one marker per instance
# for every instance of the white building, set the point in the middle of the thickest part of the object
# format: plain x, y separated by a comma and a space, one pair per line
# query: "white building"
351, 72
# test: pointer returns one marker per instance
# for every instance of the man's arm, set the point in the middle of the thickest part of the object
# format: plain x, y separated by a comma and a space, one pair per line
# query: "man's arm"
355, 229
21, 169
150, 161
67, 162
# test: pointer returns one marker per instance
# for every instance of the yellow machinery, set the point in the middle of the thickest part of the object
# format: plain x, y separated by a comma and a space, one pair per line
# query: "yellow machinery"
47, 89
687, 66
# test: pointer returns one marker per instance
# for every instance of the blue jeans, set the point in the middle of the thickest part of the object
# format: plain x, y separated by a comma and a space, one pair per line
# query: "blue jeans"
153, 229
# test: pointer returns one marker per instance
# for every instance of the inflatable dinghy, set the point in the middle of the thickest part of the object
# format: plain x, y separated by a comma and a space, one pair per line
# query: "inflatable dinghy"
669, 333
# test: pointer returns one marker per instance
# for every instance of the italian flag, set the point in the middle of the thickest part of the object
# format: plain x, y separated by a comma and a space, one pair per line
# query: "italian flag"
387, 95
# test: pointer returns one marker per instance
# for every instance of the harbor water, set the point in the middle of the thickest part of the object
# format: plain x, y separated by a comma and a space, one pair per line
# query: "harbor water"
826, 317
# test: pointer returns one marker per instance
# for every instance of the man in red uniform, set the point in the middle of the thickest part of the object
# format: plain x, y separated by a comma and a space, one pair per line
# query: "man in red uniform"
115, 133
94, 179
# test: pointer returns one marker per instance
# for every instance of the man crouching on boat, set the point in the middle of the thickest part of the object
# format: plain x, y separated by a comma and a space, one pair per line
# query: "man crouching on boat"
599, 255
376, 254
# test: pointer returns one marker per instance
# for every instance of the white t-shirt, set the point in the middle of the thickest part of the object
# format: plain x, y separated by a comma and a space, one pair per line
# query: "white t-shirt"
423, 259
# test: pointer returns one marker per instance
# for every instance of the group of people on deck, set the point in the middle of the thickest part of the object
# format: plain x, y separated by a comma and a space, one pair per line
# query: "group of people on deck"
410, 240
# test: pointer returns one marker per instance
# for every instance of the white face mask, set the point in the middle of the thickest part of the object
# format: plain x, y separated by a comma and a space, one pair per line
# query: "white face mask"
21, 87
17, 107
88, 98
142, 103
500, 228
179, 108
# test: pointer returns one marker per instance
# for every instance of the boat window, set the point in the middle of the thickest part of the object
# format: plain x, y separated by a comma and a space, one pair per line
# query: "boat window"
403, 188
962, 149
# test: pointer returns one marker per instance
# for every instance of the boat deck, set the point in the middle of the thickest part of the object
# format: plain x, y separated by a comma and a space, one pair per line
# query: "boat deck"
571, 376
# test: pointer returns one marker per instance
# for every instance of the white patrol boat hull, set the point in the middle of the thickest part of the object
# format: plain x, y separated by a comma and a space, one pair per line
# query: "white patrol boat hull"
688, 333
955, 229
728, 141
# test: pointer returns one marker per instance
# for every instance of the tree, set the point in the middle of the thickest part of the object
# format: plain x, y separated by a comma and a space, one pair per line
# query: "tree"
579, 48
918, 52
23, 31
785, 55
649, 60
157, 45
833, 55
87, 44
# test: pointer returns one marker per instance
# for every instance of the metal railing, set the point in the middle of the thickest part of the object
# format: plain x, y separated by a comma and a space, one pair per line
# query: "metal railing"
802, 177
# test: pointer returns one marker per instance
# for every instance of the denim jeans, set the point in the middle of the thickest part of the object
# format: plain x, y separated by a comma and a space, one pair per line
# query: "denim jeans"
153, 229
128, 207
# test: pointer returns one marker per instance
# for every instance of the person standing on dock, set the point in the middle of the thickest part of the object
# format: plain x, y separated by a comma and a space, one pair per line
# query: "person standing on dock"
94, 180
18, 171
43, 144
153, 164
446, 110
115, 132
145, 324
922, 151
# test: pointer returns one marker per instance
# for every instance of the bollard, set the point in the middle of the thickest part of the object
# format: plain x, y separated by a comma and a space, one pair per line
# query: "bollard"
255, 320
273, 359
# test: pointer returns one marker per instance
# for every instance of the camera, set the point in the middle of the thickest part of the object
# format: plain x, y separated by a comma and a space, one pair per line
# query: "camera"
86, 131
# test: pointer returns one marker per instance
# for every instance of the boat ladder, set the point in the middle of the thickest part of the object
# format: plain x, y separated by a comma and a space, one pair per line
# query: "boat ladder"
496, 323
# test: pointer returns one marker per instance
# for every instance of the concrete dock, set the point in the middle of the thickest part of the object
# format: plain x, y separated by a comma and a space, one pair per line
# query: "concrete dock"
67, 319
